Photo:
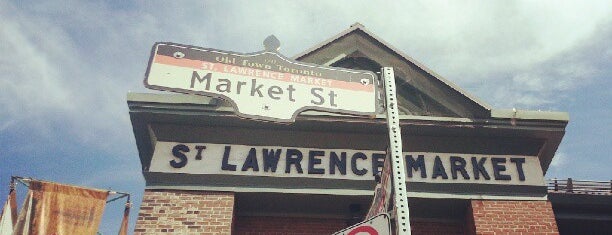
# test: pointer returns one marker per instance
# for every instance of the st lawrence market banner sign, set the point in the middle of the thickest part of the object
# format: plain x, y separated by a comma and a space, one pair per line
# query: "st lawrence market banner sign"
349, 164
263, 85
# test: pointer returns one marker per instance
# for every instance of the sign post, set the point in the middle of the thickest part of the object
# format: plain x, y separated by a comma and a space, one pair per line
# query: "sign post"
402, 218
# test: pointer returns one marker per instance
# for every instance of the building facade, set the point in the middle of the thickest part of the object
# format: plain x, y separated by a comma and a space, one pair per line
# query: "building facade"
471, 169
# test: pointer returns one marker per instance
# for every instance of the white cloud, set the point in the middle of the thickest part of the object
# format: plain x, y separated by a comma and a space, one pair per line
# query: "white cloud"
547, 84
499, 37
510, 54
60, 71
560, 160
29, 75
74, 62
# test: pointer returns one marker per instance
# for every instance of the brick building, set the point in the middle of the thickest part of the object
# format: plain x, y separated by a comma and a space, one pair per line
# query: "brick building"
472, 169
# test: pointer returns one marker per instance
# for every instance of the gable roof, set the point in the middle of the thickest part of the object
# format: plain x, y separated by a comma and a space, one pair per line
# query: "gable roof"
425, 93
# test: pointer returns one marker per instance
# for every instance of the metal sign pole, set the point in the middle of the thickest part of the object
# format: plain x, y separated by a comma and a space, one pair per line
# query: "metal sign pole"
398, 171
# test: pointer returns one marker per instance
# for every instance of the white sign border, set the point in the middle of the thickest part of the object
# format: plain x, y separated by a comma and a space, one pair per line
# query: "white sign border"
377, 83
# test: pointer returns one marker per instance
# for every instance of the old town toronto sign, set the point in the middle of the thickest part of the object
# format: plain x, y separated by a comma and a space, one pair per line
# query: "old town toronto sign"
262, 85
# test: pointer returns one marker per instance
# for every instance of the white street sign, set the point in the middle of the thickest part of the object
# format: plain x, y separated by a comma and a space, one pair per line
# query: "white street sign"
263, 85
377, 225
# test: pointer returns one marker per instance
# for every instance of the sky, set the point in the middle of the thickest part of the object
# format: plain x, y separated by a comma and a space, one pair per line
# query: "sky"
66, 67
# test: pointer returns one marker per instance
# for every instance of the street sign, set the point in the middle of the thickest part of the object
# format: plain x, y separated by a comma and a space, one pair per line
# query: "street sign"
382, 191
377, 225
262, 85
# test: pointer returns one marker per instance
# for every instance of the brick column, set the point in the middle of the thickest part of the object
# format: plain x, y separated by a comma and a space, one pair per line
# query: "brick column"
511, 217
185, 212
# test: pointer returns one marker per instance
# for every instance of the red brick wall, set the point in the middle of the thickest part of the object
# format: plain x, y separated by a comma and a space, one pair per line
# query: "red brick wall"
201, 212
512, 217
260, 225
185, 212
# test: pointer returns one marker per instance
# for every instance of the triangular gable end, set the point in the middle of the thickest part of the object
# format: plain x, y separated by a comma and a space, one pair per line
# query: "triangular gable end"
422, 92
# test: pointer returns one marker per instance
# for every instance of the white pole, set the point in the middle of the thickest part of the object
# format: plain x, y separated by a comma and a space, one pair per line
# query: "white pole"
398, 166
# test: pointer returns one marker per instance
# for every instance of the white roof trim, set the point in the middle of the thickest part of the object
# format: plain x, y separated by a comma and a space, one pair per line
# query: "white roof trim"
529, 115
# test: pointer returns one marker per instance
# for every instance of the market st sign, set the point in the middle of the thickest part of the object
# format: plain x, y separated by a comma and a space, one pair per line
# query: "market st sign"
262, 85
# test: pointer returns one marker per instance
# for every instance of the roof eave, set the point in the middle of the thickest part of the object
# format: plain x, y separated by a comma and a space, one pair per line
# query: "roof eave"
548, 126
358, 26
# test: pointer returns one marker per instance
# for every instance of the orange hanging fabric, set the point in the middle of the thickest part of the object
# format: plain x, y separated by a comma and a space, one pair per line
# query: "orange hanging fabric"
25, 217
124, 223
8, 218
61, 209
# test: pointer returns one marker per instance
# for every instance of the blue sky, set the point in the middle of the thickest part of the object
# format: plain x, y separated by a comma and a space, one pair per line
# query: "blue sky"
67, 66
